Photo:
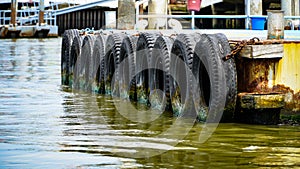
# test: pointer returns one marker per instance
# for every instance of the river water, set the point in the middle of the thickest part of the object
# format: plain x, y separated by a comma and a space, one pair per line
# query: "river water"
43, 125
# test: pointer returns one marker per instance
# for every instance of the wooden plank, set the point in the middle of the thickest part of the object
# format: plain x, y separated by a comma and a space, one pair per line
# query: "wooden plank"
262, 51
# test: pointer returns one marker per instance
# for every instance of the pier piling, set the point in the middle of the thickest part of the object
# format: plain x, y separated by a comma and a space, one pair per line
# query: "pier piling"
14, 7
41, 12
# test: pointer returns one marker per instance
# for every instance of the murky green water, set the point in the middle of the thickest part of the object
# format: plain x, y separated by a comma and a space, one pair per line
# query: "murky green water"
43, 126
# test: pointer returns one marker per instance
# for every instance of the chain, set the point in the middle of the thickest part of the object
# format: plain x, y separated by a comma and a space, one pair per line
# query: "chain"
239, 46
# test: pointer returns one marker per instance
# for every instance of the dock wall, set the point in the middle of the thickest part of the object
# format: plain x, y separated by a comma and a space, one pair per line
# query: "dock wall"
89, 18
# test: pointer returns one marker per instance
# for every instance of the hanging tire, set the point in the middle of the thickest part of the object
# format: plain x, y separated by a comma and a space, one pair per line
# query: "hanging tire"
65, 54
111, 62
144, 48
97, 71
230, 75
127, 68
180, 70
159, 79
85, 62
75, 54
210, 89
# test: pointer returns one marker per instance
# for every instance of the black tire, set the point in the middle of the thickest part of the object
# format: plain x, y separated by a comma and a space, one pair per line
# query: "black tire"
127, 68
65, 54
159, 79
84, 64
144, 48
210, 86
75, 54
230, 75
181, 76
97, 81
111, 62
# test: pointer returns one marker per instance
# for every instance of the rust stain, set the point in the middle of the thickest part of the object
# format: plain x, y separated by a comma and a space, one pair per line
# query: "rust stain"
297, 101
267, 76
254, 75
3, 31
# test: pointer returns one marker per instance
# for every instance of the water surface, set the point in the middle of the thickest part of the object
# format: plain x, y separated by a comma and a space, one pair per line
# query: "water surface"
44, 126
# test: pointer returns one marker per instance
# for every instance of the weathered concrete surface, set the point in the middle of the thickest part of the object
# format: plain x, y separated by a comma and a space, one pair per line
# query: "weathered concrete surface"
262, 101
297, 7
275, 24
262, 51
261, 108
255, 7
290, 8
126, 15
286, 6
157, 7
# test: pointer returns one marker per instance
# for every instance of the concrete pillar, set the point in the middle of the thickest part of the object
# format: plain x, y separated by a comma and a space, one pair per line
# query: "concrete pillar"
256, 7
41, 12
126, 14
297, 7
13, 15
288, 7
157, 7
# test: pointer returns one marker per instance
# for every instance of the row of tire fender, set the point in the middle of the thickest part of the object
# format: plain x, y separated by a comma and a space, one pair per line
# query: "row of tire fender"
181, 73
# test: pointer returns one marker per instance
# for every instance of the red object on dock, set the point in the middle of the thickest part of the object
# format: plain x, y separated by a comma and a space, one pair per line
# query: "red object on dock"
194, 5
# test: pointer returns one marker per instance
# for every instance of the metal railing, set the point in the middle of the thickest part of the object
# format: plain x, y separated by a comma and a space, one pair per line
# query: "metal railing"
30, 14
192, 16
28, 17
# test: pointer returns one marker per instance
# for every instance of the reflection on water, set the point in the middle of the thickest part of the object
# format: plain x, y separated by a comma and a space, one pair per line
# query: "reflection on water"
41, 125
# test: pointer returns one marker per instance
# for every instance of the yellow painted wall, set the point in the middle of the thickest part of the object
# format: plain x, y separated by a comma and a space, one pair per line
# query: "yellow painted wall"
288, 72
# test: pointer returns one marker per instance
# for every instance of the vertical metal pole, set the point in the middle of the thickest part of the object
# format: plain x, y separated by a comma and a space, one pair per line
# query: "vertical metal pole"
50, 18
21, 20
137, 13
13, 15
193, 20
55, 19
247, 12
41, 12
214, 20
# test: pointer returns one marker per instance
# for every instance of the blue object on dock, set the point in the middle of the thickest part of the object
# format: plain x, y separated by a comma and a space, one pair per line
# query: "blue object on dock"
258, 23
